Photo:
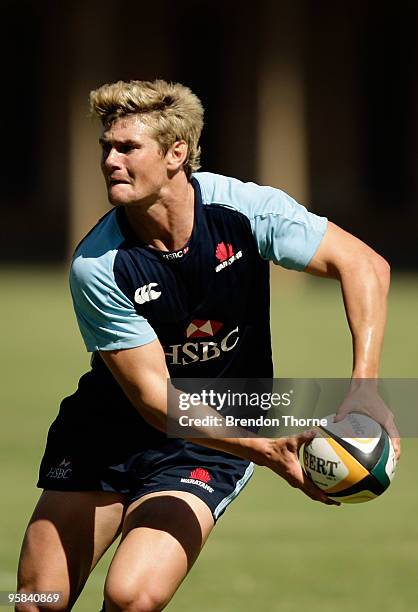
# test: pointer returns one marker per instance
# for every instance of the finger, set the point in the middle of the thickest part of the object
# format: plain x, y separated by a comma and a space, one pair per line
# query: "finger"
297, 478
393, 432
304, 438
341, 414
396, 443
314, 492
391, 428
301, 480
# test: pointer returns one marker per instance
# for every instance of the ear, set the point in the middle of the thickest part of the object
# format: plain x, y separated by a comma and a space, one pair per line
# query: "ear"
176, 155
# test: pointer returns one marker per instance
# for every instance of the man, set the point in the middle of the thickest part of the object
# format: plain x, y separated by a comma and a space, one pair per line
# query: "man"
181, 258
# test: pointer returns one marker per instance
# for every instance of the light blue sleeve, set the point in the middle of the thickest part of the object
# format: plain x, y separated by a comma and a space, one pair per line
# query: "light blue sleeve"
285, 231
106, 317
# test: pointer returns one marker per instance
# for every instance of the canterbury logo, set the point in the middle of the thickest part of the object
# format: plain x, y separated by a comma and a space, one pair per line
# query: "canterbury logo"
146, 293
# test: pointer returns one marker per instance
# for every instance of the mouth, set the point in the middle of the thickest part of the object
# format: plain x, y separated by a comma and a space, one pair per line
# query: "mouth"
112, 182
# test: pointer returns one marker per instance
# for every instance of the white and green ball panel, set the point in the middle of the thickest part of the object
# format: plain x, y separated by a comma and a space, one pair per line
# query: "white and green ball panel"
350, 470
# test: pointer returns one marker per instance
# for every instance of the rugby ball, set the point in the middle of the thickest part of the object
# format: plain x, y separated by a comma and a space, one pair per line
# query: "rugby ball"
353, 460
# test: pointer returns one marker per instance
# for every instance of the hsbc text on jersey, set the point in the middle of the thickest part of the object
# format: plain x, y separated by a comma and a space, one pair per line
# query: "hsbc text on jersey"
190, 352
175, 254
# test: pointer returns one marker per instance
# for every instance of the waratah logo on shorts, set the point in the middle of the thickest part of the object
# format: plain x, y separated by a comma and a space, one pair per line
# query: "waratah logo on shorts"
200, 477
225, 254
201, 474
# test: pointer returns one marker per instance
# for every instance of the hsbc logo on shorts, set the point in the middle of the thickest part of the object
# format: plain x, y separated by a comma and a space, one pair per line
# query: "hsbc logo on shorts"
202, 350
61, 472
147, 293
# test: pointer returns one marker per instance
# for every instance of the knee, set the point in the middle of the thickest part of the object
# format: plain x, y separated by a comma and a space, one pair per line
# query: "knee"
148, 599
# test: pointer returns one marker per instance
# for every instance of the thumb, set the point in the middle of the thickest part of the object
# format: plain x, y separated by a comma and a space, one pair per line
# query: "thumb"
341, 414
305, 437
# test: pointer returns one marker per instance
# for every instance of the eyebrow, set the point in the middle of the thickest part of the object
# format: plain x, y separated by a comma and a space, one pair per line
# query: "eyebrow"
128, 142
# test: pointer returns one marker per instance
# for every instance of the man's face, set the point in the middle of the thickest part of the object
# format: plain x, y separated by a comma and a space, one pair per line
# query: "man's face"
132, 162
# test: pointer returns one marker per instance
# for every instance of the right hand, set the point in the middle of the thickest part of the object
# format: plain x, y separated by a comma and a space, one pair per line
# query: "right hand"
283, 458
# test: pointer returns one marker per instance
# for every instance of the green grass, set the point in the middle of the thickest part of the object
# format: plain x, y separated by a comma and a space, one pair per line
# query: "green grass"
274, 549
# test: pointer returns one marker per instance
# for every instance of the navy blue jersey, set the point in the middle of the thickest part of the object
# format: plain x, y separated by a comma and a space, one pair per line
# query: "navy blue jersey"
208, 303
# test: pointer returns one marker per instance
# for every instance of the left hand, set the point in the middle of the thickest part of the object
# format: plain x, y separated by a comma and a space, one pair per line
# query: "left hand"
364, 398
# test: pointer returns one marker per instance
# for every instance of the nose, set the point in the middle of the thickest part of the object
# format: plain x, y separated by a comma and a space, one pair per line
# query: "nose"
111, 159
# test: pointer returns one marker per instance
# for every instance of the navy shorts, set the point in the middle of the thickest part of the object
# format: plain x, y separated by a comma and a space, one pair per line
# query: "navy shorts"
101, 443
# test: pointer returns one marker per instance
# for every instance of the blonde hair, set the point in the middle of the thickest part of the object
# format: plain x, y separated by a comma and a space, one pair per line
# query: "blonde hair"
171, 110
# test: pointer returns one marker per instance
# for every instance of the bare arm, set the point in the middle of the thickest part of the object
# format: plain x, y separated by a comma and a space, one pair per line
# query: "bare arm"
365, 277
143, 375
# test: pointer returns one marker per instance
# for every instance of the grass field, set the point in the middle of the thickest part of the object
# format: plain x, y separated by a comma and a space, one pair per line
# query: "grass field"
274, 550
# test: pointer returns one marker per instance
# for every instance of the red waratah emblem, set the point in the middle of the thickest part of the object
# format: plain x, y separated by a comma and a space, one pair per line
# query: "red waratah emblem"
224, 251
200, 474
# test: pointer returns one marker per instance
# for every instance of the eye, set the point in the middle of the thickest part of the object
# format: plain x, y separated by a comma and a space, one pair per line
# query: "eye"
125, 149
106, 148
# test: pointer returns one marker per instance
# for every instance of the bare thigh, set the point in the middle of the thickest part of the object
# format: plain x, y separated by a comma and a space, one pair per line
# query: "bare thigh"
66, 536
163, 534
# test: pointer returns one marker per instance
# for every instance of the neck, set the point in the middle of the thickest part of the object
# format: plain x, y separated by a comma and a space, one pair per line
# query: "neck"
167, 222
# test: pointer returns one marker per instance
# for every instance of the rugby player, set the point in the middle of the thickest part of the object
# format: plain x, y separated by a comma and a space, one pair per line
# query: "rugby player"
174, 281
